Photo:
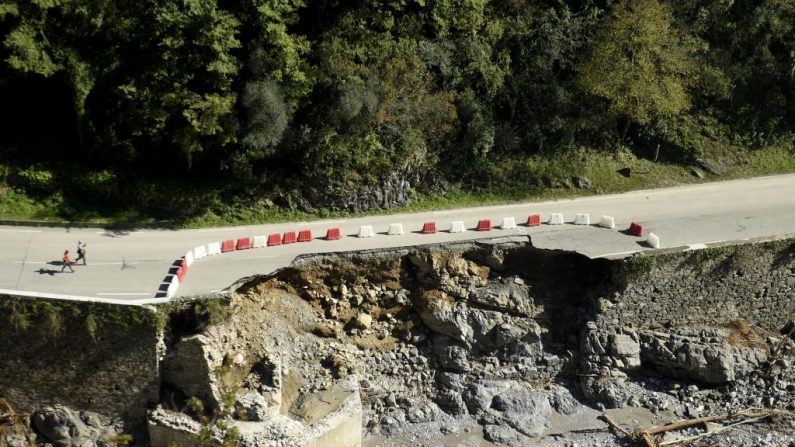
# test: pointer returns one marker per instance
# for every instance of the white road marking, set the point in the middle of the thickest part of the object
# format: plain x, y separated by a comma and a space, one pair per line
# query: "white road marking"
73, 263
20, 231
124, 293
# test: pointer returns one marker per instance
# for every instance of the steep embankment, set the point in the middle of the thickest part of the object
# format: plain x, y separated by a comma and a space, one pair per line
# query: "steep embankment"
495, 342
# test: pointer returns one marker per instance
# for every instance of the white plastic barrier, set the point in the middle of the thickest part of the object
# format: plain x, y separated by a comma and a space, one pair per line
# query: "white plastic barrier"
213, 248
199, 252
653, 240
457, 227
582, 219
607, 222
260, 241
189, 258
395, 229
172, 288
366, 231
556, 219
508, 223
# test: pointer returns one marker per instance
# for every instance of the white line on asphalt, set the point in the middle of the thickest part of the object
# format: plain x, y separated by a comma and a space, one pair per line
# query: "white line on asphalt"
124, 293
20, 231
93, 263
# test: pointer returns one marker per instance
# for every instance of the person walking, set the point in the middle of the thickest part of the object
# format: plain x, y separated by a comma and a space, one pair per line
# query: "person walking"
81, 252
66, 262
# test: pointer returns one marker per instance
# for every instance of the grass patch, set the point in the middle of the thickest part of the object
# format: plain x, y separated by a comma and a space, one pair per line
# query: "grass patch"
640, 264
532, 178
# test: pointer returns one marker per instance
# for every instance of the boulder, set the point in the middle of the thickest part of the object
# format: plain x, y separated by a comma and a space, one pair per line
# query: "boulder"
506, 296
524, 410
443, 315
364, 321
478, 396
686, 357
66, 428
502, 435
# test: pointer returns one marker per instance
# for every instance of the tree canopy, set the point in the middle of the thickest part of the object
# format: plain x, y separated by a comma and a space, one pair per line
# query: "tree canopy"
330, 97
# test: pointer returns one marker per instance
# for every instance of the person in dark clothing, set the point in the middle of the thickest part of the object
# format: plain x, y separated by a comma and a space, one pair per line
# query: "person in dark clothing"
81, 252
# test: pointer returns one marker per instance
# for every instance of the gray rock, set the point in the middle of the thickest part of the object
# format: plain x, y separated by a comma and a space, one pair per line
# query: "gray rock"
447, 317
66, 428
508, 296
624, 345
478, 397
581, 182
500, 434
452, 403
562, 401
685, 357
524, 410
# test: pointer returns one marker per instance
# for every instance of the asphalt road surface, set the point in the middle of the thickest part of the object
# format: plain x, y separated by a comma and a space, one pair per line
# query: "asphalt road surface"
132, 265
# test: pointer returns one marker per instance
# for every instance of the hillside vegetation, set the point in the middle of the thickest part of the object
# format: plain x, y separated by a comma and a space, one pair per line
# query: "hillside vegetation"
204, 111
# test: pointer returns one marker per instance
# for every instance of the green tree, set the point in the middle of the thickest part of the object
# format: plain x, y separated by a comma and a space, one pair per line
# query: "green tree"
639, 64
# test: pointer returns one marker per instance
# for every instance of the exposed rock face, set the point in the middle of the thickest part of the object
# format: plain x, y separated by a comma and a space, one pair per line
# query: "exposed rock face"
483, 342
63, 427
524, 410
688, 357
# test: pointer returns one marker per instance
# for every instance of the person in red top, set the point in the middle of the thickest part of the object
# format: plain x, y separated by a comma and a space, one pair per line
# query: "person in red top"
66, 262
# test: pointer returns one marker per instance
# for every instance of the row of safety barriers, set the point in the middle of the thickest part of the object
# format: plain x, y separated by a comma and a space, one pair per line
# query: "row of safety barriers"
395, 229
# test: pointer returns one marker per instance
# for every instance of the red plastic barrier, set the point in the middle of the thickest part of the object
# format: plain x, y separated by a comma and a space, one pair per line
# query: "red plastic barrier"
228, 245
244, 243
333, 234
274, 239
304, 236
184, 265
289, 237
533, 220
180, 274
429, 228
484, 225
636, 229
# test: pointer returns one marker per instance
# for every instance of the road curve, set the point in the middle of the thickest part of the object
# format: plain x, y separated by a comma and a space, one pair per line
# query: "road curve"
130, 265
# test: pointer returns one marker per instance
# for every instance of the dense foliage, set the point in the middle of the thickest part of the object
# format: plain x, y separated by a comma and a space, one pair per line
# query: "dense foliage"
121, 100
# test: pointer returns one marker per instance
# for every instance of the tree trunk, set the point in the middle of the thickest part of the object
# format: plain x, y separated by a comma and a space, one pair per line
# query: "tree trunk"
625, 129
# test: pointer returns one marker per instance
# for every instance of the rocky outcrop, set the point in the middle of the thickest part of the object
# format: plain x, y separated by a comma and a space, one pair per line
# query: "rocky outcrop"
705, 361
64, 427
475, 342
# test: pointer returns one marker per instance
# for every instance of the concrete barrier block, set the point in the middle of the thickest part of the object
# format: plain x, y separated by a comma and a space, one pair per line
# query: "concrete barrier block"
199, 252
653, 240
260, 241
366, 231
556, 219
189, 258
582, 219
395, 229
172, 288
607, 222
213, 248
508, 223
457, 226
